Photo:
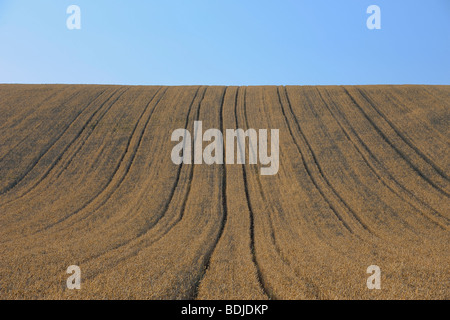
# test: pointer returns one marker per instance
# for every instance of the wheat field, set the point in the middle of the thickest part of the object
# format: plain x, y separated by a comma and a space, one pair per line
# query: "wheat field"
86, 179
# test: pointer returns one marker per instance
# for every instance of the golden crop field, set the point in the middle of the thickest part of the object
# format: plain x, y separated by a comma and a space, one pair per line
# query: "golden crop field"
86, 179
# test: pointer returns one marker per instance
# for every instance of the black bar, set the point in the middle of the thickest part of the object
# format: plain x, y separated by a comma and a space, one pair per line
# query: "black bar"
226, 309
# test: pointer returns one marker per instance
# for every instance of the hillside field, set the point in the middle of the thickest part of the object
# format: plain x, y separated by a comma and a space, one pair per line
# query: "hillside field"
86, 179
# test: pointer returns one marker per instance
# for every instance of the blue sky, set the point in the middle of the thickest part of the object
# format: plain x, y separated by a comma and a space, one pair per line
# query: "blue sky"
234, 42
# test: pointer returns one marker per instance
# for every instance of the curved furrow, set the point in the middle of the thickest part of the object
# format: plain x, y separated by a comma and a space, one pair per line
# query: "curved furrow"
33, 194
263, 283
311, 289
81, 143
185, 245
11, 185
402, 135
111, 201
400, 152
121, 169
308, 284
233, 261
381, 172
320, 170
66, 148
177, 178
269, 292
293, 233
304, 162
179, 217
118, 94
225, 210
92, 122
223, 221
45, 151
167, 204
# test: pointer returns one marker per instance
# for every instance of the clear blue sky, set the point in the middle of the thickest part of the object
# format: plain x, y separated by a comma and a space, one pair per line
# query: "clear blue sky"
232, 42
